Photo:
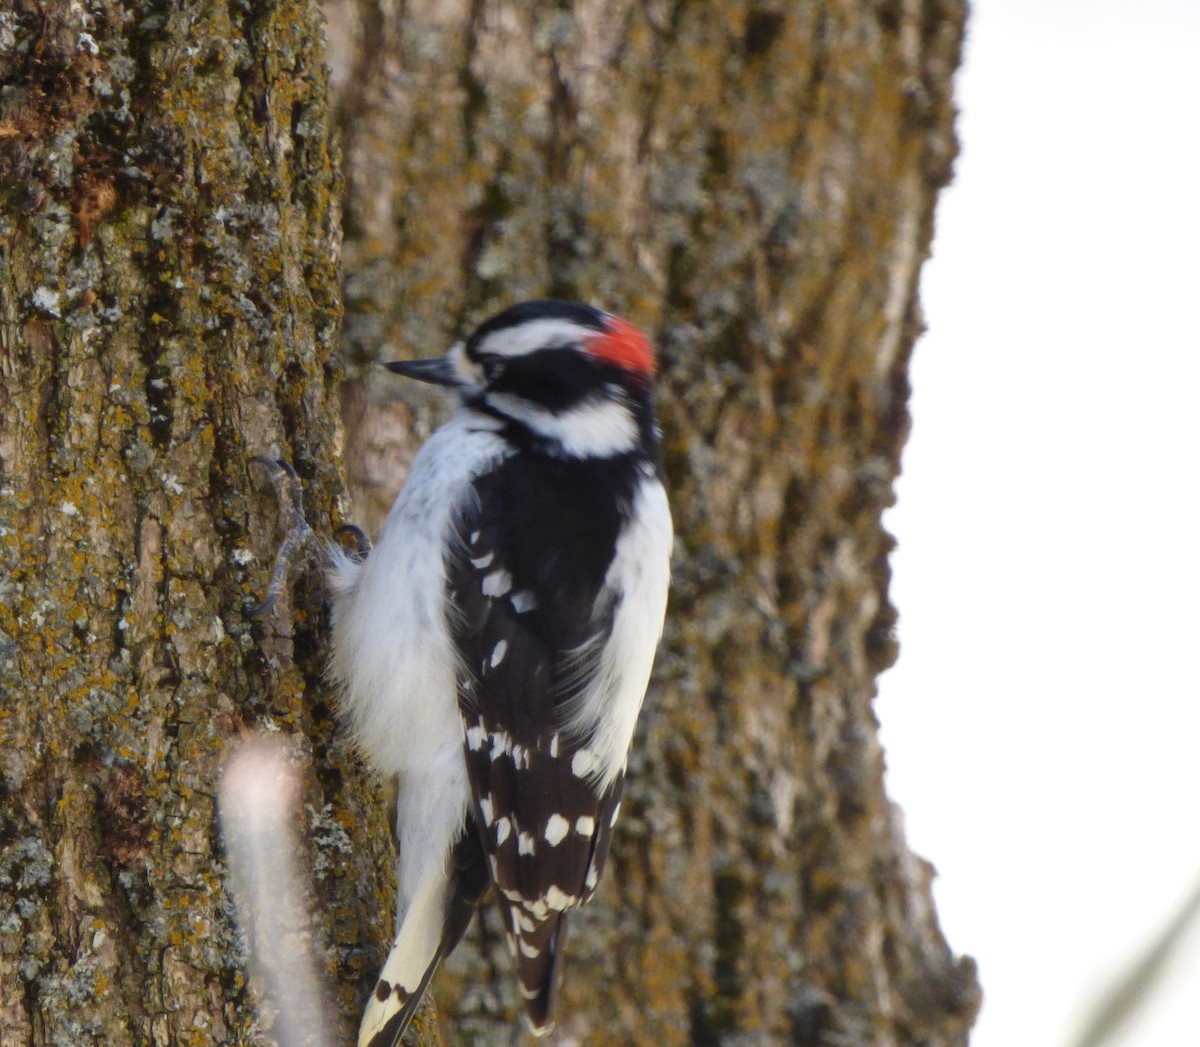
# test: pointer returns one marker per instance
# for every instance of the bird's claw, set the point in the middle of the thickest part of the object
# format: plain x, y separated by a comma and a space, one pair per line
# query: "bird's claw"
354, 541
299, 534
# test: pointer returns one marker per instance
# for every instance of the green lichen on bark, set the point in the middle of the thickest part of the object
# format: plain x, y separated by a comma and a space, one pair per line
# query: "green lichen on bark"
169, 306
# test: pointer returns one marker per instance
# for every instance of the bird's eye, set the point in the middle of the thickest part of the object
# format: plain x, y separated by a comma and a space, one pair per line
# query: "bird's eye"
492, 368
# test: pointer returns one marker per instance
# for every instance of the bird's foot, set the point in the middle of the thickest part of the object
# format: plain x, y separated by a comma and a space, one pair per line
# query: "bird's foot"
354, 541
299, 537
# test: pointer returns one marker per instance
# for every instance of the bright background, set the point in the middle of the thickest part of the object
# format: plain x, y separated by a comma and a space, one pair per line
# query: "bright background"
1043, 723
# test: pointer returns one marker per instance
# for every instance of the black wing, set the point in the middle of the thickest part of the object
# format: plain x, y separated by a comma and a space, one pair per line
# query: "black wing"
527, 580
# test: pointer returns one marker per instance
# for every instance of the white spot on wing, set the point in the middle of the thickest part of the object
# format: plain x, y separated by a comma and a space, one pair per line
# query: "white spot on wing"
524, 601
476, 736
483, 561
501, 744
613, 820
537, 908
524, 843
485, 808
556, 829
497, 583
586, 825
559, 900
498, 653
503, 828
529, 950
583, 763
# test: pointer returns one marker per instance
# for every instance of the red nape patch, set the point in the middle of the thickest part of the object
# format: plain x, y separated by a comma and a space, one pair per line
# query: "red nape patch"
624, 345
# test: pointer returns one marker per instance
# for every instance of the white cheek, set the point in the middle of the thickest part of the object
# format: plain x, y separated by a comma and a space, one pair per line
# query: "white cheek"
592, 429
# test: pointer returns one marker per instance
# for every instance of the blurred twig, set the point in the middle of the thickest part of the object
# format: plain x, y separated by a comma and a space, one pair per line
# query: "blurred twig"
259, 795
1131, 991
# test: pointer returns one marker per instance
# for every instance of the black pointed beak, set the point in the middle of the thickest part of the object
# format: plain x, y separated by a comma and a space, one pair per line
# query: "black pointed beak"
436, 372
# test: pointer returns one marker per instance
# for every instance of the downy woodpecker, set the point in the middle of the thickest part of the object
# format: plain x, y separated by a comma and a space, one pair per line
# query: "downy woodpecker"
494, 648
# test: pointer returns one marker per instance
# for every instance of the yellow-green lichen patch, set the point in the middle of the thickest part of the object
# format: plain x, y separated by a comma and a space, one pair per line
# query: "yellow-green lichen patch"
171, 309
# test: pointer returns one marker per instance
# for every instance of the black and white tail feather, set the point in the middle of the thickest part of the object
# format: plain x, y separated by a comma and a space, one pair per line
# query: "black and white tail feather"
495, 647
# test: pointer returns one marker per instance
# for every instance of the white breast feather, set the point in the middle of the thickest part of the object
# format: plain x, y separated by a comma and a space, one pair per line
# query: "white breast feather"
392, 656
393, 659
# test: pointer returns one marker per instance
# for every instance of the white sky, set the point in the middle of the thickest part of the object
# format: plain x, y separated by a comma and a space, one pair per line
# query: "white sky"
1043, 723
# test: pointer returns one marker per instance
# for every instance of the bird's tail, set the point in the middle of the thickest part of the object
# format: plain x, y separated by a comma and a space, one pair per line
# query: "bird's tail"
414, 957
538, 951
433, 925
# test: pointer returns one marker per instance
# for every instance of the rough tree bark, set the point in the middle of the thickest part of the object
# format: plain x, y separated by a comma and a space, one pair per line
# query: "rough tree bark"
752, 182
169, 305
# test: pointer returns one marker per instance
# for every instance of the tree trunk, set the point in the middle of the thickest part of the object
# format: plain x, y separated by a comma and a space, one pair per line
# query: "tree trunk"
753, 183
169, 306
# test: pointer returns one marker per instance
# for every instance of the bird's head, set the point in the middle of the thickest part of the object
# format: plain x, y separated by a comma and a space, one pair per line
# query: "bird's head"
575, 379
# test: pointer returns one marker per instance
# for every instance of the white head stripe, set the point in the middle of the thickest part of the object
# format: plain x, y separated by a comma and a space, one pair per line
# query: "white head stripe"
533, 335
